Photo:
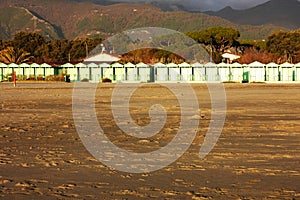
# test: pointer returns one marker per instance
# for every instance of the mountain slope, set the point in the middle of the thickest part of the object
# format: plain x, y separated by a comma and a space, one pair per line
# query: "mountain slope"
128, 17
163, 5
13, 19
283, 13
71, 19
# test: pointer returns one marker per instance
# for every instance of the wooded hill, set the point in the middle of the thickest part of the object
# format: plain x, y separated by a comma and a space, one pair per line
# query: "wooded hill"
283, 13
71, 19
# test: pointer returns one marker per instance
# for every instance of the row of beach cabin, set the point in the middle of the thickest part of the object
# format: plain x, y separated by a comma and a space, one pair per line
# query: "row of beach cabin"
159, 72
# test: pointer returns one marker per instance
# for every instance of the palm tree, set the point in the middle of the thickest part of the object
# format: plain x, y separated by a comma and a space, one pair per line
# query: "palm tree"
12, 55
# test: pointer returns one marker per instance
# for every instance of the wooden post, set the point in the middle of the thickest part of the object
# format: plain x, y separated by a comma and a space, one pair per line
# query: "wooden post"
15, 79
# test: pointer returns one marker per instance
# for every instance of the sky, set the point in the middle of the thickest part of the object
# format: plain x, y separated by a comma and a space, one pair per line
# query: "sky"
205, 5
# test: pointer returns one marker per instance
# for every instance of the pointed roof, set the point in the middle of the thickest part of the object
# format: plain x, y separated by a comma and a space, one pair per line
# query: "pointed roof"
35, 65
80, 65
129, 64
272, 64
172, 65
256, 64
117, 65
24, 65
102, 58
184, 64
286, 64
106, 65
45, 65
210, 64
141, 64
3, 65
159, 64
13, 65
237, 65
197, 64
92, 65
222, 64
67, 65
297, 65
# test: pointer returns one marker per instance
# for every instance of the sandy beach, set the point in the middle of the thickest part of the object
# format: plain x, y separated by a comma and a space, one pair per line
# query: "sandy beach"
256, 157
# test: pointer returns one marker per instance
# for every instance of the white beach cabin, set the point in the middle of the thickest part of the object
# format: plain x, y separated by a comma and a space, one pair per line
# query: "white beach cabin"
224, 72
211, 72
257, 72
72, 71
272, 72
106, 71
297, 71
83, 71
161, 72
144, 72
68, 68
26, 70
198, 72
19, 70
286, 72
8, 70
95, 72
38, 70
237, 71
49, 70
186, 72
3, 66
119, 72
131, 73
173, 72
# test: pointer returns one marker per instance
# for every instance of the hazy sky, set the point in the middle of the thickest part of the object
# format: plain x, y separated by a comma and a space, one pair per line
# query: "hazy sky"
204, 5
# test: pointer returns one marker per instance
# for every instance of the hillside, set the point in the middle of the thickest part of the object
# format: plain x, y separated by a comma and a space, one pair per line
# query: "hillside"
70, 19
13, 19
283, 13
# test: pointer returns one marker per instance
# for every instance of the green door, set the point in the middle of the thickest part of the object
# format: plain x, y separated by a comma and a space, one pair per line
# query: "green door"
246, 77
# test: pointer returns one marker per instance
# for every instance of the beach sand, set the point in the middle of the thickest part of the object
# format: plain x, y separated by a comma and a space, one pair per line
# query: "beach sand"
256, 157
